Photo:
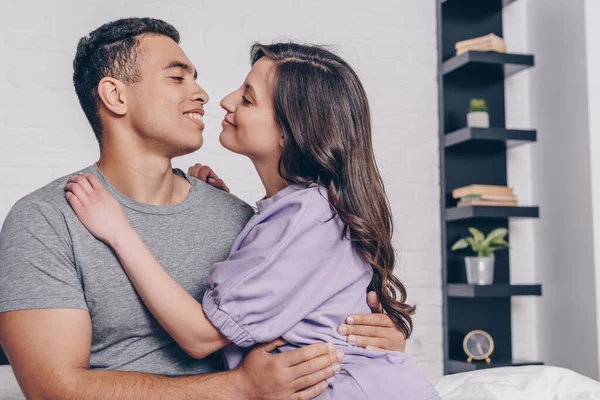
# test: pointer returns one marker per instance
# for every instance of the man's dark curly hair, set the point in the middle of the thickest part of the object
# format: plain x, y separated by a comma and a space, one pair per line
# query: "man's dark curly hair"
111, 50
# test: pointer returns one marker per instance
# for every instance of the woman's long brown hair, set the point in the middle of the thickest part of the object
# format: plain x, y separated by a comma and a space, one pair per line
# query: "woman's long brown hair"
322, 109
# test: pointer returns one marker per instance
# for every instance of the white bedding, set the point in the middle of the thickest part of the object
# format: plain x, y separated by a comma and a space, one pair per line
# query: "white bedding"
519, 383
9, 388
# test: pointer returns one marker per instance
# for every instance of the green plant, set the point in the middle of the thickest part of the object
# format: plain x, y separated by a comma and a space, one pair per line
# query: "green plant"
477, 105
483, 246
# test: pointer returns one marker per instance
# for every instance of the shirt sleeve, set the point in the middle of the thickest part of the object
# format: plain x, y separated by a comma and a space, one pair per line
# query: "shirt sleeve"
37, 267
282, 271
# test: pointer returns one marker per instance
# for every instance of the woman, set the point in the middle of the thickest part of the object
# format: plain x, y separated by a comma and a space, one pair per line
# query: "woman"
321, 237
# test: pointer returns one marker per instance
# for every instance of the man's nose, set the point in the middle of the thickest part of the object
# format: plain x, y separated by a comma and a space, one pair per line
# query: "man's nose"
200, 96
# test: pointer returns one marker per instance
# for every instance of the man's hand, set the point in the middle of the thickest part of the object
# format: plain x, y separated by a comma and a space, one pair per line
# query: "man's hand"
206, 174
373, 331
292, 375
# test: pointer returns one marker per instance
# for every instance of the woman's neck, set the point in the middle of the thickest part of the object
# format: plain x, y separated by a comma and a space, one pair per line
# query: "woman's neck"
269, 175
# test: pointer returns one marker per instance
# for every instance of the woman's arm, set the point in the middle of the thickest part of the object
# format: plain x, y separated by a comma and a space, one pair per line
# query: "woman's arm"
174, 308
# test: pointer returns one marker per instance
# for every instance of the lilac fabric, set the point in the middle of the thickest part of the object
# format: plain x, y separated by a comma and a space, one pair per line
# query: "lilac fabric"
291, 275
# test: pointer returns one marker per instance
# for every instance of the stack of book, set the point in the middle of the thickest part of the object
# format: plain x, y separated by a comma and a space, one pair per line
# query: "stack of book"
489, 42
485, 195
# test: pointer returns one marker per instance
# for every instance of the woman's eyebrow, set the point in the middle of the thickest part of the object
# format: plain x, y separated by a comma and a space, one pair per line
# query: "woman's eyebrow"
251, 90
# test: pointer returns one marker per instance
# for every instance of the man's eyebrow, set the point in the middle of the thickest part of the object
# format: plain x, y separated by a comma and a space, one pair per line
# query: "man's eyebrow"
184, 66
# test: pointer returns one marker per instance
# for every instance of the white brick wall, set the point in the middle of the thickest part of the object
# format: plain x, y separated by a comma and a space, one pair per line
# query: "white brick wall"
522, 232
391, 43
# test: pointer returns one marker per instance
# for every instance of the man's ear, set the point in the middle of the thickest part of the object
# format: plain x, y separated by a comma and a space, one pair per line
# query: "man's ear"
113, 94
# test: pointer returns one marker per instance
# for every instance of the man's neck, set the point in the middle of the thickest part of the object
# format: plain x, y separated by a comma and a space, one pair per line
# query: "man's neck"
144, 177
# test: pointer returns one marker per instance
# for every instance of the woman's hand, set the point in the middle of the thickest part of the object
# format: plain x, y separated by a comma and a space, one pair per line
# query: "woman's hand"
97, 210
374, 331
206, 174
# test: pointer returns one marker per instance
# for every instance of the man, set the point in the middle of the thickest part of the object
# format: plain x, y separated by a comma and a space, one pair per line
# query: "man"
71, 323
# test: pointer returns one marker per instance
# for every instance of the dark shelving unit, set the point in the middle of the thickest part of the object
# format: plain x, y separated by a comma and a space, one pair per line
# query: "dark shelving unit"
497, 290
470, 212
476, 156
505, 137
504, 2
498, 65
458, 366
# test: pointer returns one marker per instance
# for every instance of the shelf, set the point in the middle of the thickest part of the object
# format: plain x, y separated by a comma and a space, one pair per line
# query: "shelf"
458, 366
459, 213
478, 156
487, 65
512, 137
504, 2
496, 290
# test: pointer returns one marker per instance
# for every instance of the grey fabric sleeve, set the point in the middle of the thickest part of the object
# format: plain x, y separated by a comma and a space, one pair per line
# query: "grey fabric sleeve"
37, 267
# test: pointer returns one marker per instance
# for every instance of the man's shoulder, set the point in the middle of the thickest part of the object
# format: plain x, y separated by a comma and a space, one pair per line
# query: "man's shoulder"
50, 196
222, 202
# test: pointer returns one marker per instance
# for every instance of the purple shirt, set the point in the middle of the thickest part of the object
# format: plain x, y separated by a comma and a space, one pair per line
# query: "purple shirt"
291, 275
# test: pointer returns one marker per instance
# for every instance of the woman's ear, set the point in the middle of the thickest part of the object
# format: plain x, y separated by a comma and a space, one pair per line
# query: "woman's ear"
281, 141
113, 94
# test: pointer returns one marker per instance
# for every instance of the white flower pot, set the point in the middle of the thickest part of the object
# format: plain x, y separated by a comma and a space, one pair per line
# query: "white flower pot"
478, 119
480, 270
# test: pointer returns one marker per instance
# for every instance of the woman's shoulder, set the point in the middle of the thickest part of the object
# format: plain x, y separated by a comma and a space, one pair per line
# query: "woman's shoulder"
297, 199
296, 211
292, 216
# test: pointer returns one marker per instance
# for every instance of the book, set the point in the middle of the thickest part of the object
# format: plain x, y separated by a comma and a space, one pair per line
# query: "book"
487, 203
481, 48
488, 197
474, 41
487, 39
493, 190
489, 42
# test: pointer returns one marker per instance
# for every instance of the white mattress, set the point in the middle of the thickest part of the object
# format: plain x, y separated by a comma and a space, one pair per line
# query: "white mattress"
9, 388
519, 383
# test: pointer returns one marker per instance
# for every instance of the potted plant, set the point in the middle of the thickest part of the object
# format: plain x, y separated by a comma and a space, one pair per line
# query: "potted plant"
480, 269
478, 116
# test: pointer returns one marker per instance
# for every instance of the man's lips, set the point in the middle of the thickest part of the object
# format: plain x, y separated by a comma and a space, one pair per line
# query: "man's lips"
196, 116
197, 110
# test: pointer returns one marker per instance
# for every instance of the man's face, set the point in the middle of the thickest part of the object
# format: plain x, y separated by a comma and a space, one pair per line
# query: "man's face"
166, 107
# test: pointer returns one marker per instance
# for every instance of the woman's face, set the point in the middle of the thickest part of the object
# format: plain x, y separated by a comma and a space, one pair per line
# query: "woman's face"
249, 127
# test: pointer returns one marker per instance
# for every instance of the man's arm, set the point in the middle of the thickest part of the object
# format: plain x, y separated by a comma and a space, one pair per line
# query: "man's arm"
49, 351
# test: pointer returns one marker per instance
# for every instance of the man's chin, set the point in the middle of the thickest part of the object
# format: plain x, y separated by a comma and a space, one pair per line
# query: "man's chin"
188, 148
195, 147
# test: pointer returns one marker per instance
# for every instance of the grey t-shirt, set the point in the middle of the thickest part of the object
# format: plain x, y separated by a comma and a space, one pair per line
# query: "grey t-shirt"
48, 259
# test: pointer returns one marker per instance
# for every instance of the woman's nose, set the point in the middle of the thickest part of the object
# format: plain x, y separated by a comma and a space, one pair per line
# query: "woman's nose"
228, 103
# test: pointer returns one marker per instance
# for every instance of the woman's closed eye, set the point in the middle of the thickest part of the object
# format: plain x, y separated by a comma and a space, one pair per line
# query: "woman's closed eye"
245, 100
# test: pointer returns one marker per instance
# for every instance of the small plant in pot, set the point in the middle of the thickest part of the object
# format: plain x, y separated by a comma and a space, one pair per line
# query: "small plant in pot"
478, 116
480, 269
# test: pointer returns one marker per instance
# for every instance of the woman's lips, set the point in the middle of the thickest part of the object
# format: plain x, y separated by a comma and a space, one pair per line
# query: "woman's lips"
226, 121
